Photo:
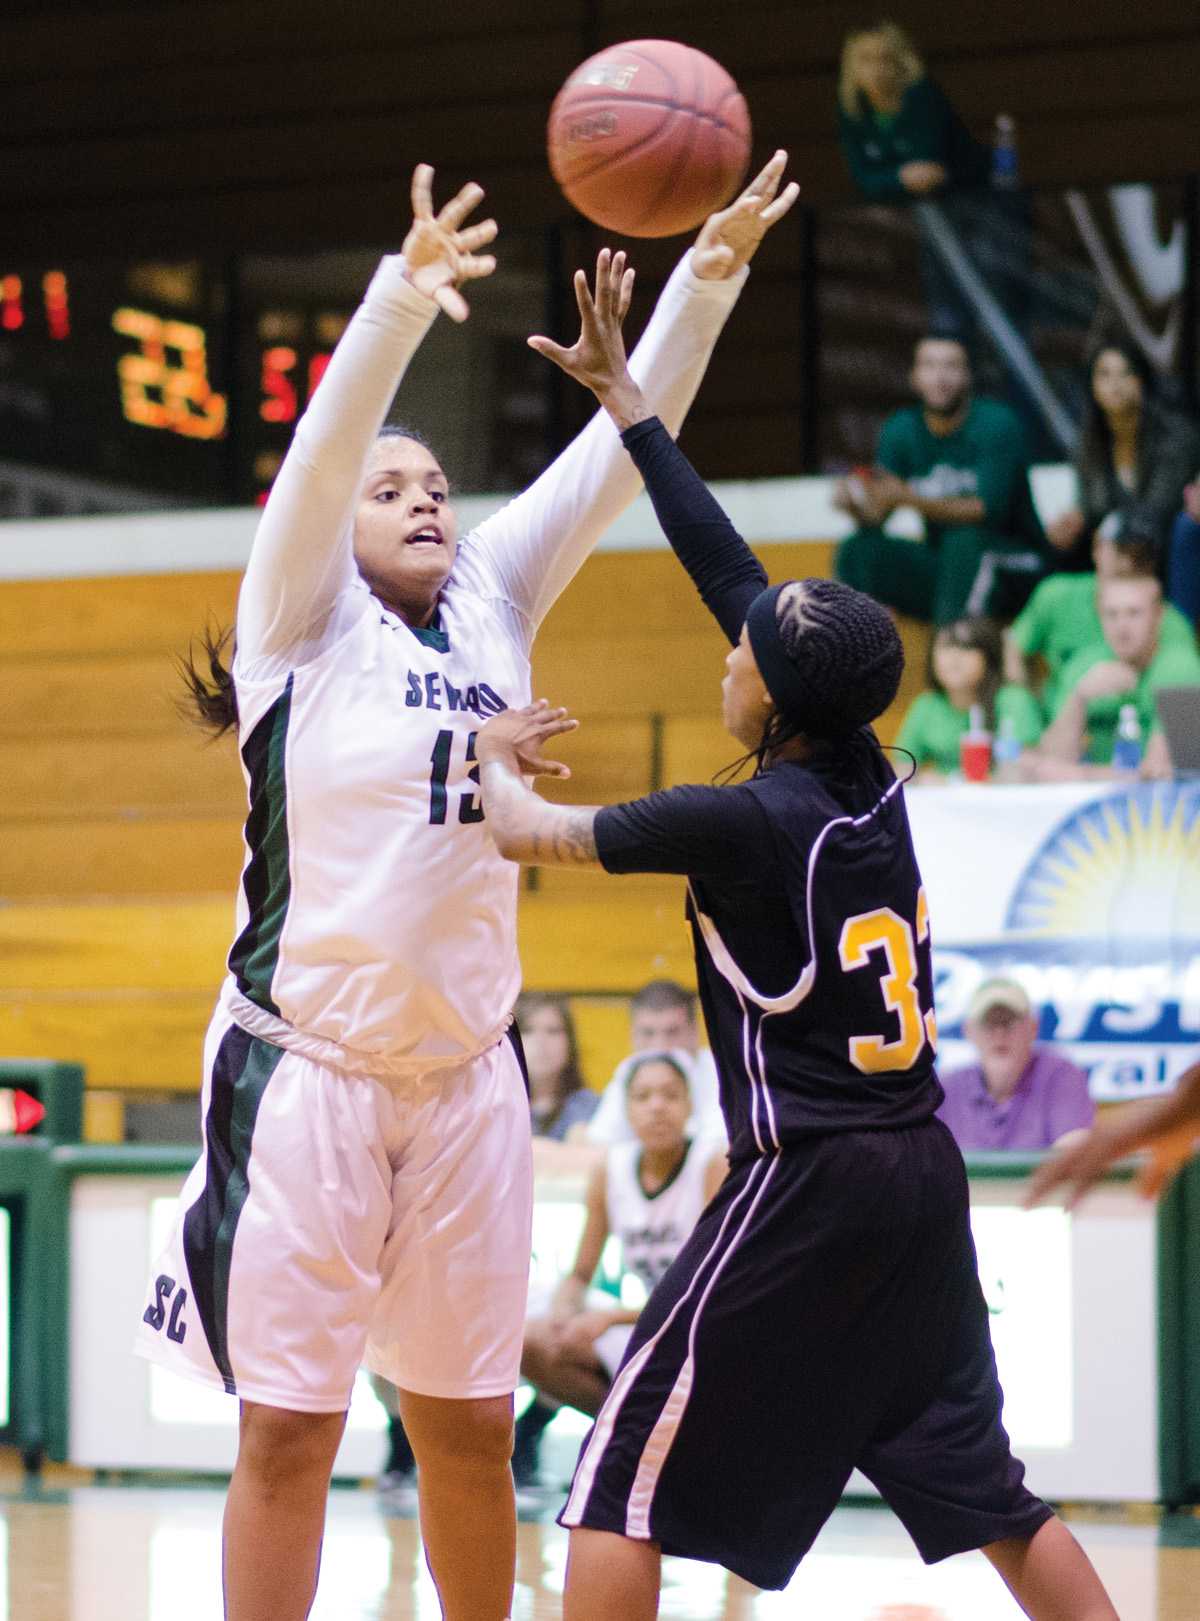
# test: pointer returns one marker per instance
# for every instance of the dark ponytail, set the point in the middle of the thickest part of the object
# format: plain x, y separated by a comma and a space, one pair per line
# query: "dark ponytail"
210, 698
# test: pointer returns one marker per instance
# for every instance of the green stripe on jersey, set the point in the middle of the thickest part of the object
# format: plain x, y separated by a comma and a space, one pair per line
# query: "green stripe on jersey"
251, 1084
267, 879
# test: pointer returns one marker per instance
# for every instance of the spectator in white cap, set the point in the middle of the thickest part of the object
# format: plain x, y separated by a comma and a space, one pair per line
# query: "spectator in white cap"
1019, 1096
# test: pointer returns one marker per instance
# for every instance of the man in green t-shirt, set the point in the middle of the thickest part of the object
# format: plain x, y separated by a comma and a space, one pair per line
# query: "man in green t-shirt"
962, 464
1099, 680
1061, 618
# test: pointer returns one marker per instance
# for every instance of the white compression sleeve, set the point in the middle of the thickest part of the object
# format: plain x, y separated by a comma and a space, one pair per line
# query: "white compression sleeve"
302, 555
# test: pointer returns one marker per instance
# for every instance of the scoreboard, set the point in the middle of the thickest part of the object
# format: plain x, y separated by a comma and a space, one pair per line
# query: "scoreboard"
154, 375
182, 381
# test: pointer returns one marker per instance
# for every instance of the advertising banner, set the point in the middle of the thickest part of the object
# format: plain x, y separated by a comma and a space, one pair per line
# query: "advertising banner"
1089, 895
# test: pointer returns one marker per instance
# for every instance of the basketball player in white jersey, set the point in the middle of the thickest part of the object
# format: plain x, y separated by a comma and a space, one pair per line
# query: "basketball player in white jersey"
647, 1193
364, 1190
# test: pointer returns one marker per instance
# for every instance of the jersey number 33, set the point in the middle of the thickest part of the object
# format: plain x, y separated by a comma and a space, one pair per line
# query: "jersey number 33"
866, 938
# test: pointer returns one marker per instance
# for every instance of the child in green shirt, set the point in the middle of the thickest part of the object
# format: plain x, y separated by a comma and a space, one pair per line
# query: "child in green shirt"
965, 671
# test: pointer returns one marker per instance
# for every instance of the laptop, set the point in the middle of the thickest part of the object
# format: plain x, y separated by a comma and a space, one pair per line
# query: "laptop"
1179, 712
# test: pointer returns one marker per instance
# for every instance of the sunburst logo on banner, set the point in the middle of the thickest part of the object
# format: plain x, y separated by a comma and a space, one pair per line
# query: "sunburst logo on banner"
1125, 866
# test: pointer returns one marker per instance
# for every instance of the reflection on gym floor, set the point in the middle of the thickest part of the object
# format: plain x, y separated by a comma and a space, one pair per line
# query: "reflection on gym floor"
150, 1553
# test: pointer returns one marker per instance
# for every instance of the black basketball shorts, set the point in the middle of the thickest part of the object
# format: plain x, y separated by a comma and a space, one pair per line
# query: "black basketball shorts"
825, 1314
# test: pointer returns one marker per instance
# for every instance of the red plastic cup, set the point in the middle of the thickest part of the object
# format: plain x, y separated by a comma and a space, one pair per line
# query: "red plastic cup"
975, 756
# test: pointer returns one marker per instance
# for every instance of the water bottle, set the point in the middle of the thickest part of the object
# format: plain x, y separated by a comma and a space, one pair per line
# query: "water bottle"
1006, 174
975, 747
1007, 746
1127, 745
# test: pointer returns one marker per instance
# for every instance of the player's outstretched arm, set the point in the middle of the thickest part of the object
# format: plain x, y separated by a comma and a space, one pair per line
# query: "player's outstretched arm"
525, 828
687, 829
539, 541
302, 556
1167, 1127
723, 568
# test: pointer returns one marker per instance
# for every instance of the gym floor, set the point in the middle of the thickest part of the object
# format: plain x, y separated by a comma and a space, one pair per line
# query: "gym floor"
73, 1548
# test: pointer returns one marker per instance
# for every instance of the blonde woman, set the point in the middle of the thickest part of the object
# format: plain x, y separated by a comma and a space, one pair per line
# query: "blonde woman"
900, 135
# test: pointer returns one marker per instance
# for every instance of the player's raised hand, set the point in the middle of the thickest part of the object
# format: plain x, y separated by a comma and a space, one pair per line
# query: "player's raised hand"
1143, 1127
597, 357
517, 737
729, 239
439, 252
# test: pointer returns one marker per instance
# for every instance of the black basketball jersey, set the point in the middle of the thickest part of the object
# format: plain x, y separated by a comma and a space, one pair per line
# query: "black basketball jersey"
812, 940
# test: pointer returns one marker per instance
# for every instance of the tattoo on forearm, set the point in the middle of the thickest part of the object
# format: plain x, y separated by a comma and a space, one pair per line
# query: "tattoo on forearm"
566, 836
548, 833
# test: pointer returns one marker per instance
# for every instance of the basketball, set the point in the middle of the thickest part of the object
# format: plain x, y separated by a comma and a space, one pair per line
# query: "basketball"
648, 138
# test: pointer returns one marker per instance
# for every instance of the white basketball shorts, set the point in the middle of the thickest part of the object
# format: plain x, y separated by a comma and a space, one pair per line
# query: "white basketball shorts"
337, 1219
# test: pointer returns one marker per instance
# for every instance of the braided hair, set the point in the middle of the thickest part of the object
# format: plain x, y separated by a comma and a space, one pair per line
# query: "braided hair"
845, 650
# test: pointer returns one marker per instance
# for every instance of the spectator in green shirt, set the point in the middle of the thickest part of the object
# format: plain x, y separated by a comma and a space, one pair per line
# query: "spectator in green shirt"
1099, 680
962, 464
900, 135
964, 672
1061, 618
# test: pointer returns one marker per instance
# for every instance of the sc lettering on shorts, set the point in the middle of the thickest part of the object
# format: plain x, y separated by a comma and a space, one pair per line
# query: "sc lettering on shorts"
158, 1315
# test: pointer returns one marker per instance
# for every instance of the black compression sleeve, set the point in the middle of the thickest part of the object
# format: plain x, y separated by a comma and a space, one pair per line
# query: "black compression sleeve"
724, 570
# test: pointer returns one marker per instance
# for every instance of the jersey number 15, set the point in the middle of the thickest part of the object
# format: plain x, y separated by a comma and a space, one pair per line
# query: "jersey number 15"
469, 808
886, 931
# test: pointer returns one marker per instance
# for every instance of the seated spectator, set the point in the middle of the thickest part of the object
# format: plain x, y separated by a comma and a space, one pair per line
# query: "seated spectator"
1061, 618
1132, 450
900, 135
1183, 557
662, 1018
964, 673
1018, 1096
962, 465
1127, 668
560, 1101
648, 1192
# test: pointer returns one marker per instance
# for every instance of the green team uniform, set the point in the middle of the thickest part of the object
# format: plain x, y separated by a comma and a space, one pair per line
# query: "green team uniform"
984, 568
1060, 619
1170, 667
933, 728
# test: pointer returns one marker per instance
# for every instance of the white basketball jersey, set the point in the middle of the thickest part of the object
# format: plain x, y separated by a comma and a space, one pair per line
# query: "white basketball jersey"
652, 1227
375, 912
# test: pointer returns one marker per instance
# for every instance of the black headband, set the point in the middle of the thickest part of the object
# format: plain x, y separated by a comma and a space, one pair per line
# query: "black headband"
783, 681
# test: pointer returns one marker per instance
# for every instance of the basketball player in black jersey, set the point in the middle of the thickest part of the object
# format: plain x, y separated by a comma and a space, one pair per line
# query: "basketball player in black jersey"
826, 1313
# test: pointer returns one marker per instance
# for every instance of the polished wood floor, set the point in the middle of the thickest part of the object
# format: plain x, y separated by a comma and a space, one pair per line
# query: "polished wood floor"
148, 1552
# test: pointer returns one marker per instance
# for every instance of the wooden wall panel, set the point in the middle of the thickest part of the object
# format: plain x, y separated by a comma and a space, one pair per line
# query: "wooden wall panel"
81, 856
118, 775
172, 945
122, 614
140, 1041
86, 697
